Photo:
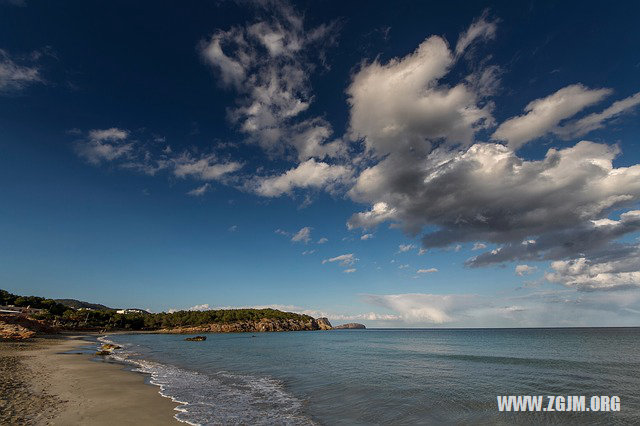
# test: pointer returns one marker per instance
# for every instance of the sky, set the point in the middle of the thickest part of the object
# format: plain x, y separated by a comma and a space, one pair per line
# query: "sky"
397, 164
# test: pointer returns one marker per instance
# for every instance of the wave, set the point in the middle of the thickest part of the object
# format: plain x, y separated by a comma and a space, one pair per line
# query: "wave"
217, 398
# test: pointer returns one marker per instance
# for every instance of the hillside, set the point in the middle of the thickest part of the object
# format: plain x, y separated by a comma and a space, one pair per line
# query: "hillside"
59, 314
78, 304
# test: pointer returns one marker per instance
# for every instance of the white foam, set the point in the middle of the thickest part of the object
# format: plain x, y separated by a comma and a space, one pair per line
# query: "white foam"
218, 397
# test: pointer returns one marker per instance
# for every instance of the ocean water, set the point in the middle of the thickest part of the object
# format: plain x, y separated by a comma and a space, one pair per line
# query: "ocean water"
383, 376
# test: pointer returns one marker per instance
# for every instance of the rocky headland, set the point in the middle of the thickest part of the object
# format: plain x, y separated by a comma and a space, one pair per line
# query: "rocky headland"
350, 326
258, 326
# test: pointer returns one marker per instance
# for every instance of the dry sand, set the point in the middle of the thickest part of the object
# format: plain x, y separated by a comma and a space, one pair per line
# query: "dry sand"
39, 384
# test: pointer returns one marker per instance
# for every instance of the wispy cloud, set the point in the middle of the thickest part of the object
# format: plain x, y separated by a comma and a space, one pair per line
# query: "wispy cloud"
303, 235
343, 259
15, 77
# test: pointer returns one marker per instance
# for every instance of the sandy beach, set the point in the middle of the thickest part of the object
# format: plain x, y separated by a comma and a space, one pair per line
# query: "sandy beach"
43, 385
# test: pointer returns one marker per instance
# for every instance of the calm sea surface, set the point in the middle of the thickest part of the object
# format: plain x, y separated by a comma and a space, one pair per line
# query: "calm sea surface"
361, 377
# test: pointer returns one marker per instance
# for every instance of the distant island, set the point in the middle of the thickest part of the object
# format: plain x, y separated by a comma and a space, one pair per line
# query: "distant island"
350, 326
24, 316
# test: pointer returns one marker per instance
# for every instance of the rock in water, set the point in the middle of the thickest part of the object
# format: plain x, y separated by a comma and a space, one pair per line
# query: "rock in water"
196, 338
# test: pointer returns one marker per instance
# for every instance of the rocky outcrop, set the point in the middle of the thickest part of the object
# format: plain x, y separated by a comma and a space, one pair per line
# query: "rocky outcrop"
196, 339
20, 327
324, 323
107, 349
350, 326
263, 325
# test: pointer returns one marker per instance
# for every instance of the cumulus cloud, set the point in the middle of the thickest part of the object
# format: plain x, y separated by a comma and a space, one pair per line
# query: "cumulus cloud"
365, 237
310, 175
592, 237
610, 270
268, 63
405, 247
344, 259
303, 235
543, 115
323, 240
15, 77
479, 246
380, 212
522, 270
426, 271
488, 193
400, 106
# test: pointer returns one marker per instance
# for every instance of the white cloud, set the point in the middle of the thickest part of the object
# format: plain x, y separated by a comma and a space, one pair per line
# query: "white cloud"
303, 235
402, 248
380, 212
422, 251
14, 77
426, 271
233, 228
308, 252
581, 127
479, 246
370, 316
112, 134
522, 270
343, 259
203, 307
464, 196
618, 270
543, 115
531, 309
309, 175
206, 167
268, 63
104, 145
416, 307
281, 232
117, 146
323, 240
199, 191
365, 237
350, 270
481, 28
401, 107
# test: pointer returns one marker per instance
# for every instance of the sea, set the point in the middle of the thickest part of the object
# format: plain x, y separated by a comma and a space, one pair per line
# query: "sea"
389, 376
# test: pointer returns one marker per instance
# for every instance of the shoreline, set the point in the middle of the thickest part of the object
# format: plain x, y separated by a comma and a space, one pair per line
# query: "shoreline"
48, 385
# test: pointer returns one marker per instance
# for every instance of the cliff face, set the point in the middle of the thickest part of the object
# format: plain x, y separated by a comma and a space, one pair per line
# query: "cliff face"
19, 327
262, 325
324, 323
350, 326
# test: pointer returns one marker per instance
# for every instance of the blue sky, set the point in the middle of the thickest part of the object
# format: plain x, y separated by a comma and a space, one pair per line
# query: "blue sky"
419, 164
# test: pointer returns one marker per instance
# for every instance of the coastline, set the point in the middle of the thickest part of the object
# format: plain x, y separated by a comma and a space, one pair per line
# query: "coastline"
48, 386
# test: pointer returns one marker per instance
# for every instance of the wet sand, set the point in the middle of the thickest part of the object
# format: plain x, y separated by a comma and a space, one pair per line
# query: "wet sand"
42, 385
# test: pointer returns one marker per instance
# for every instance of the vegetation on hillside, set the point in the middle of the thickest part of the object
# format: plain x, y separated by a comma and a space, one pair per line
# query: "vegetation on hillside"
77, 304
66, 317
